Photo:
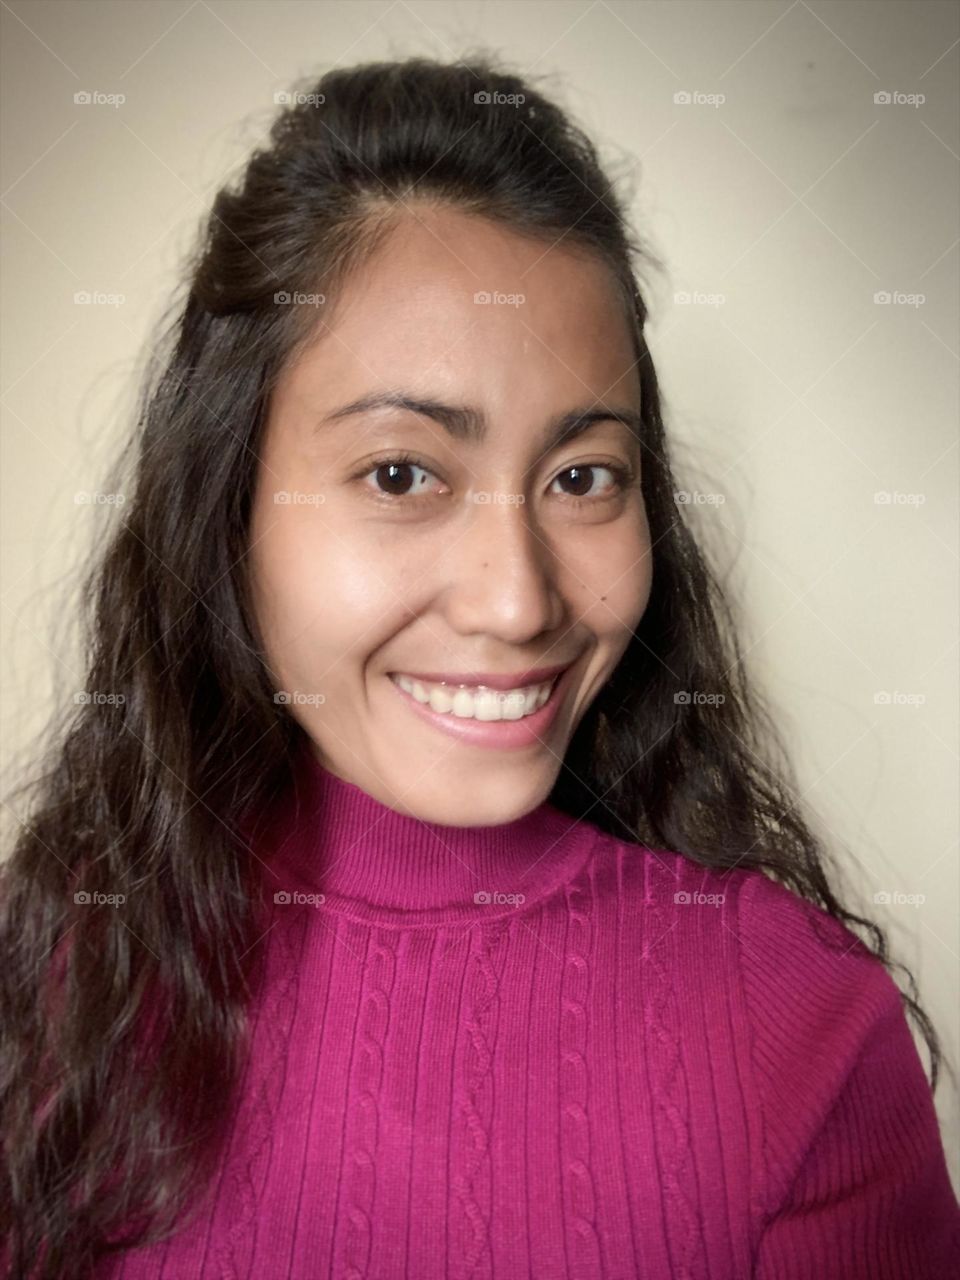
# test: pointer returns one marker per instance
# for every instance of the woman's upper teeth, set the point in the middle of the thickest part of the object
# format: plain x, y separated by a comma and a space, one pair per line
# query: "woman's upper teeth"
477, 701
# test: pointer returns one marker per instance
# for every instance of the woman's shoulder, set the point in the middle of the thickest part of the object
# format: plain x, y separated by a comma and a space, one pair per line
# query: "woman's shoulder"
798, 979
776, 929
824, 1055
799, 984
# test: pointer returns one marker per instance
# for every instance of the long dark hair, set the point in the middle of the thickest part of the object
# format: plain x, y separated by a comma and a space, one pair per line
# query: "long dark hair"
125, 1025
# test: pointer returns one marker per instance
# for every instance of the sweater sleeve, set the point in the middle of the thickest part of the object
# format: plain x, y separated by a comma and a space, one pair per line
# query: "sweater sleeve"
853, 1184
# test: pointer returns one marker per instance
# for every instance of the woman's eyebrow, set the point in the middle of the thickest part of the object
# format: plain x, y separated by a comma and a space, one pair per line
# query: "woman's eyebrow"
468, 424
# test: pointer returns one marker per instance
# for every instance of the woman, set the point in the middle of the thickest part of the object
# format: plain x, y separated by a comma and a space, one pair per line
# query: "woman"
425, 905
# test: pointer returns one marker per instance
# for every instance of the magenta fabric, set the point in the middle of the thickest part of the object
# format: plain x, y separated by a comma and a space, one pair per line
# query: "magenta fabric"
641, 1069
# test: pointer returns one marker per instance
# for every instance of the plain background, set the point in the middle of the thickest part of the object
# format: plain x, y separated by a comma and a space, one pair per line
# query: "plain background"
793, 394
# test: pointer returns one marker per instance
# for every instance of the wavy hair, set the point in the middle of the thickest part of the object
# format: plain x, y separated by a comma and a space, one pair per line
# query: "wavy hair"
125, 1027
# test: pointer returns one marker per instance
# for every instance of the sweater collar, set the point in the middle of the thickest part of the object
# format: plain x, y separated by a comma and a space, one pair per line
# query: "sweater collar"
376, 864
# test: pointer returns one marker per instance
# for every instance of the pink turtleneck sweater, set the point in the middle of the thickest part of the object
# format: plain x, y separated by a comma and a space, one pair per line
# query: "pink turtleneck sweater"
534, 1050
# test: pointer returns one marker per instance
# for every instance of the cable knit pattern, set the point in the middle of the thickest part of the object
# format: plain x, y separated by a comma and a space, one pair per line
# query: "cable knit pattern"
533, 1050
663, 883
475, 1103
584, 1246
361, 1164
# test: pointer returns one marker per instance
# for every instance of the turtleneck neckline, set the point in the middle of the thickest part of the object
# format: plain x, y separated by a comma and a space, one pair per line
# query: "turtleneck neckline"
373, 863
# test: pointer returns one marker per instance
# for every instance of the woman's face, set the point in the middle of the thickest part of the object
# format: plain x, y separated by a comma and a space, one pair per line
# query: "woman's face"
490, 549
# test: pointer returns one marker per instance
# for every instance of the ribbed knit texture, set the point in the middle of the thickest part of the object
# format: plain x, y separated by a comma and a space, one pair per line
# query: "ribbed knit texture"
642, 1069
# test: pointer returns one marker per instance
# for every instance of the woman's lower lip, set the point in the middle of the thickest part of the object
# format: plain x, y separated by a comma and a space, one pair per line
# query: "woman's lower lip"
505, 734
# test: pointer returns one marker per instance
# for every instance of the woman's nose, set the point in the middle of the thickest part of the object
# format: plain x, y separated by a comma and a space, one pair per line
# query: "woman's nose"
503, 576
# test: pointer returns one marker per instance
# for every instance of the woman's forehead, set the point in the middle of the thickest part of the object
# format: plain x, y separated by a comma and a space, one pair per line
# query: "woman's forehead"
465, 308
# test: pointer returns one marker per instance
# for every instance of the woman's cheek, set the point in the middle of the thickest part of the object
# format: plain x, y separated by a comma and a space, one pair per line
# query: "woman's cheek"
609, 574
332, 590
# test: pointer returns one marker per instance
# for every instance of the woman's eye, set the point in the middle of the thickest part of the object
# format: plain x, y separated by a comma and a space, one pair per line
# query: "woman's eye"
399, 478
582, 480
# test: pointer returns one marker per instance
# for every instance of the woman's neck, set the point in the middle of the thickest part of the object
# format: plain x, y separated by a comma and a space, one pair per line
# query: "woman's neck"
371, 861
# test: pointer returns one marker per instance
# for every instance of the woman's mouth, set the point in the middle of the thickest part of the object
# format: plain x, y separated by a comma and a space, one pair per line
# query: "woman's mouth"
477, 702
477, 715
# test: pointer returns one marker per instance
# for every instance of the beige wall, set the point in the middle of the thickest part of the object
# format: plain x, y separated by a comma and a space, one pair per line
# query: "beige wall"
797, 398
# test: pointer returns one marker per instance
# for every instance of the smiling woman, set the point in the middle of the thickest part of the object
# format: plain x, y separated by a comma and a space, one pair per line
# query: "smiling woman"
483, 523
427, 900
